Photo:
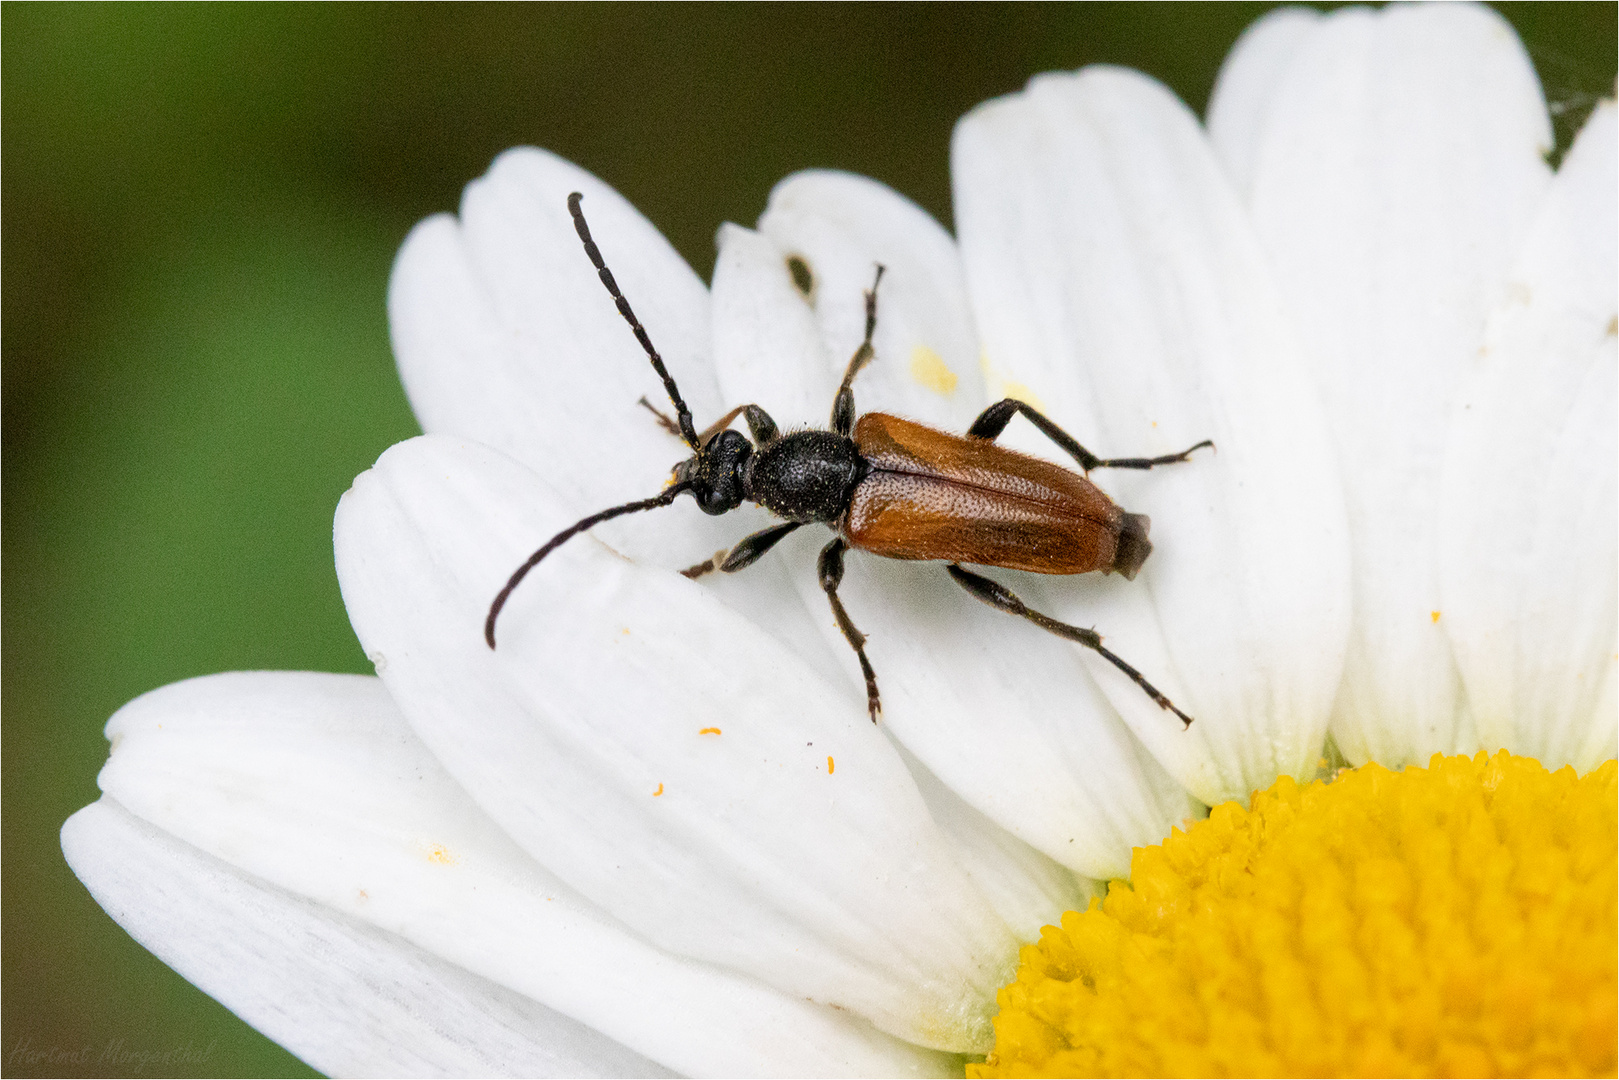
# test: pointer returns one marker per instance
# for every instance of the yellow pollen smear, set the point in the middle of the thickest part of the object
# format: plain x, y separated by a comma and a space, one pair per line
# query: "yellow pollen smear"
997, 385
927, 368
1022, 392
1458, 920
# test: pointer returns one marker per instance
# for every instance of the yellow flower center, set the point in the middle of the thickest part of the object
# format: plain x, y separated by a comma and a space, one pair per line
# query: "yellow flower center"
1456, 920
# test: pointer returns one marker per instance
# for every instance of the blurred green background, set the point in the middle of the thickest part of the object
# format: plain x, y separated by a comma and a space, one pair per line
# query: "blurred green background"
201, 204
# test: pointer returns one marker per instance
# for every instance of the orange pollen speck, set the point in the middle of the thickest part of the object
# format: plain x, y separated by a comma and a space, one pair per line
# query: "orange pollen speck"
1435, 615
708, 731
655, 794
829, 764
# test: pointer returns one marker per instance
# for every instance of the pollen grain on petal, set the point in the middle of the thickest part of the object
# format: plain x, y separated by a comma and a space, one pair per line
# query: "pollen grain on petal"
1455, 920
655, 794
708, 731
829, 764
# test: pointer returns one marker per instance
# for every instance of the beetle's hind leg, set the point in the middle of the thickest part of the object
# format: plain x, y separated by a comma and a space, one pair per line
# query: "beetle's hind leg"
747, 552
831, 569
998, 596
993, 420
843, 404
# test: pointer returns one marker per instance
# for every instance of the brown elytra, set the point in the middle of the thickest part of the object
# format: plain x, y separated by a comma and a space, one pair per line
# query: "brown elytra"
934, 495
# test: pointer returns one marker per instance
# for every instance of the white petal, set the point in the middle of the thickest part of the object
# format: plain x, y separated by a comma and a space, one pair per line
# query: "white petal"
504, 334
1028, 889
1529, 526
345, 997
841, 226
770, 594
315, 784
1007, 717
1001, 713
831, 883
1246, 87
1398, 168
1120, 290
767, 345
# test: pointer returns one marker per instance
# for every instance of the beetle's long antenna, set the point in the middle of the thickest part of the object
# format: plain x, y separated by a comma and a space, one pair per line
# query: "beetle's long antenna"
664, 498
688, 430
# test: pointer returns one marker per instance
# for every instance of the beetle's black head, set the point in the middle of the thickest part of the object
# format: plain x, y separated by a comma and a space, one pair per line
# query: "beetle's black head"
715, 474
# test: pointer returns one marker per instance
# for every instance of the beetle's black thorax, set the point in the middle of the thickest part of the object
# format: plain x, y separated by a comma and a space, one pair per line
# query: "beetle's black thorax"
805, 475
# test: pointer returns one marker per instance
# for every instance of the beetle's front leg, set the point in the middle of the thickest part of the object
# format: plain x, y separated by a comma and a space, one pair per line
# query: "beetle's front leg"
993, 420
831, 568
998, 596
663, 418
760, 425
747, 552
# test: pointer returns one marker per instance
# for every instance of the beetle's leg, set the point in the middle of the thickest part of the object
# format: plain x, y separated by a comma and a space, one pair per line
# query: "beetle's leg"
998, 596
843, 404
663, 418
993, 420
831, 567
719, 425
747, 551
759, 424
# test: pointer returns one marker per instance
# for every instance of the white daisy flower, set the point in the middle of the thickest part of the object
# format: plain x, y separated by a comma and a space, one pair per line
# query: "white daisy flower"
1458, 304
654, 831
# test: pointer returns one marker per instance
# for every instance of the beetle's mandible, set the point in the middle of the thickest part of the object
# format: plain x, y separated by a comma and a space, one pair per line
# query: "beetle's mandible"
894, 488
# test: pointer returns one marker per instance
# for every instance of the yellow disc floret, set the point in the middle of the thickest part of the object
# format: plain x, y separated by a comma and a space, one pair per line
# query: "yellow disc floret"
1458, 920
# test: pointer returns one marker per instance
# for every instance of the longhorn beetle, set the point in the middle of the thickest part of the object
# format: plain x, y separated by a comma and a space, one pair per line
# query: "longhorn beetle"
894, 488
